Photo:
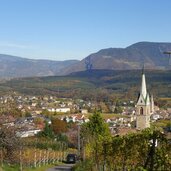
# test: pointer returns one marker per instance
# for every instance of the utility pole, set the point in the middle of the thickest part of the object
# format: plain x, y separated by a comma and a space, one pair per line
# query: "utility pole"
104, 156
21, 159
79, 146
2, 157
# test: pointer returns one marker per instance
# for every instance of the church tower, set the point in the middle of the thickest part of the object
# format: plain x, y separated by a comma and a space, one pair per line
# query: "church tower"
143, 107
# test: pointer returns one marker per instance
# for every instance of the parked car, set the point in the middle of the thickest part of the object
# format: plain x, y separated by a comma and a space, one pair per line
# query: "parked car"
71, 158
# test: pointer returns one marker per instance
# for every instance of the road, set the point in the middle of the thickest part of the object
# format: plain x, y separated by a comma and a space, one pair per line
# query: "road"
63, 167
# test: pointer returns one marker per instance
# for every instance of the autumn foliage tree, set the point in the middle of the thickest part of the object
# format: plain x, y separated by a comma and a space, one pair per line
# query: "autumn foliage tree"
58, 126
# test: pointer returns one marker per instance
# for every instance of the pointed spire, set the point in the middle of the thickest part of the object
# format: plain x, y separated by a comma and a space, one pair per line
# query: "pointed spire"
143, 85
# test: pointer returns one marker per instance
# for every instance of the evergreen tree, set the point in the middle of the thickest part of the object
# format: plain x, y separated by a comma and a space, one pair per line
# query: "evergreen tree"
47, 132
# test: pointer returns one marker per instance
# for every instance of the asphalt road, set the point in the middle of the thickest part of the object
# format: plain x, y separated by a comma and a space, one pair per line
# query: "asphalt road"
63, 167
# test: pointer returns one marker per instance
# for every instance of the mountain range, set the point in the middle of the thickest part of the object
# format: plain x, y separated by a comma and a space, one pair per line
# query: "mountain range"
131, 57
13, 66
150, 54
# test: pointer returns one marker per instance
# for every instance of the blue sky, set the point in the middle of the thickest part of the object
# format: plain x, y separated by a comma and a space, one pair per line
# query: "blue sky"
72, 29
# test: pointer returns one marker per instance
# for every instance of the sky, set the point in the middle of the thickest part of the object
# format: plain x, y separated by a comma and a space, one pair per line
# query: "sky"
73, 29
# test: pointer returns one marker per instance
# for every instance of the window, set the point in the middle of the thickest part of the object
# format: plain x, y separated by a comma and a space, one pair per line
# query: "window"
141, 111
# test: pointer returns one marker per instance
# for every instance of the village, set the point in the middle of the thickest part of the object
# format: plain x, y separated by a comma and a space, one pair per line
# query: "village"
34, 111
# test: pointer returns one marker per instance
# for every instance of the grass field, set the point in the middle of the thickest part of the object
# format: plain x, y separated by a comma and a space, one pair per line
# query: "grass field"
17, 168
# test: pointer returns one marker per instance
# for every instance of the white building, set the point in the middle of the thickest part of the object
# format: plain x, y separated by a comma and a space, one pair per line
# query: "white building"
62, 110
28, 133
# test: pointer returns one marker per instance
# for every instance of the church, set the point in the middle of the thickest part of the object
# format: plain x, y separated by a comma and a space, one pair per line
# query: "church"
144, 106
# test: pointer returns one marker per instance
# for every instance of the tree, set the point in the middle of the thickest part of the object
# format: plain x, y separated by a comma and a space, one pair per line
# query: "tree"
145, 150
47, 132
10, 143
97, 127
46, 113
58, 126
27, 114
96, 135
118, 108
38, 121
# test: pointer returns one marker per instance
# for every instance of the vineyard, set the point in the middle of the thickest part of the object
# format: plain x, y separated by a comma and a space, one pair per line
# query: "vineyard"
146, 150
34, 153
